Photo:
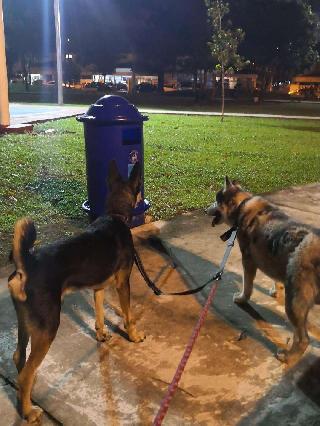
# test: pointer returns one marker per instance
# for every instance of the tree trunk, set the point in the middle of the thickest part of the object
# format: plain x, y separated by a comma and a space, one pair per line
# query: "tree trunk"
266, 80
160, 81
214, 81
195, 79
205, 80
194, 85
222, 91
132, 87
204, 84
10, 69
25, 73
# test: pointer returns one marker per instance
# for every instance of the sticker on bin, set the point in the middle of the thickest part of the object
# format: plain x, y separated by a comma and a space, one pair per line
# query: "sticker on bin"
133, 159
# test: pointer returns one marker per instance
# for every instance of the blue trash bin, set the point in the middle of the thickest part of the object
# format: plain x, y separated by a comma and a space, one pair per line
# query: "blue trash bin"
113, 130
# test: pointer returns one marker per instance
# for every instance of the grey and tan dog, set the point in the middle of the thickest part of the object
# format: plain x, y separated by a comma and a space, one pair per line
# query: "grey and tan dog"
285, 250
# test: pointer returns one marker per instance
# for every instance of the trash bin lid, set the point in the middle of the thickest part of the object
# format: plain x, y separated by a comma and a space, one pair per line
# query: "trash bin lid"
112, 109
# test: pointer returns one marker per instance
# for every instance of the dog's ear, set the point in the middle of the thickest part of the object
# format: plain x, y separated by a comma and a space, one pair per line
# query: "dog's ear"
113, 174
236, 183
227, 183
135, 178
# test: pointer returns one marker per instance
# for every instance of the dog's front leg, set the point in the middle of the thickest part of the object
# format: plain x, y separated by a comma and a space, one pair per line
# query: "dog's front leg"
101, 332
123, 289
249, 273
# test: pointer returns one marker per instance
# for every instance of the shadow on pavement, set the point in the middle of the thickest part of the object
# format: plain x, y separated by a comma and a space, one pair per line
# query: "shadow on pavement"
285, 404
256, 320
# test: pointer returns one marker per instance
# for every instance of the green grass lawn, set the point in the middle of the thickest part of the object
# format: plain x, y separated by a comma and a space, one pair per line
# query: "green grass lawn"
43, 174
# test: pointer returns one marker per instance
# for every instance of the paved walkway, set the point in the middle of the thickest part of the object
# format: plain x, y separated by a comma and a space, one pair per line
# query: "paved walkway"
227, 114
35, 113
232, 377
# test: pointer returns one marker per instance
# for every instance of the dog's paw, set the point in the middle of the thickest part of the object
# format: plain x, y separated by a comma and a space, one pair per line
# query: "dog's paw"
136, 336
239, 298
273, 292
277, 289
282, 355
290, 357
34, 416
102, 335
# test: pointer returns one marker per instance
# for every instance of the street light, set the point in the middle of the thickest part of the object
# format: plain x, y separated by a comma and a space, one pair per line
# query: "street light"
4, 97
58, 50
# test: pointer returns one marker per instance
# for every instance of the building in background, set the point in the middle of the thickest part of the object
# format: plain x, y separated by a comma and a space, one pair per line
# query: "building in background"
305, 85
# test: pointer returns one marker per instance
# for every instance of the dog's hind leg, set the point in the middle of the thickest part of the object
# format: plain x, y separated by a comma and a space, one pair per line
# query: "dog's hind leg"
298, 303
40, 344
249, 273
123, 289
101, 332
19, 356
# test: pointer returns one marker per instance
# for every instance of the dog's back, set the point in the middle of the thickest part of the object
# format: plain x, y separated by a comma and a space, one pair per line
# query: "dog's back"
271, 236
84, 260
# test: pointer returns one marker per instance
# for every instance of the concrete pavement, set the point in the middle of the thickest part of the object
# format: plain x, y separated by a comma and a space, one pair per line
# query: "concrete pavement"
36, 113
232, 377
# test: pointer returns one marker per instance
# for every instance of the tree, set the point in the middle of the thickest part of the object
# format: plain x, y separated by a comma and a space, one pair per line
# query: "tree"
71, 72
281, 36
25, 33
157, 30
224, 42
195, 54
102, 37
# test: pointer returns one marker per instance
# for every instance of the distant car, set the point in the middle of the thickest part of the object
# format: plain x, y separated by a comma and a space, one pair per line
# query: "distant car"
37, 83
109, 85
122, 87
97, 85
186, 85
50, 83
169, 87
146, 88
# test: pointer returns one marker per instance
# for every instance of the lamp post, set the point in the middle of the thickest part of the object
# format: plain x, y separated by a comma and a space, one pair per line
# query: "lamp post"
58, 50
4, 97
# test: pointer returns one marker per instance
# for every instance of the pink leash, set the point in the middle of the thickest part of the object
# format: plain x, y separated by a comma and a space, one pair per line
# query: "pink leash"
175, 381
231, 236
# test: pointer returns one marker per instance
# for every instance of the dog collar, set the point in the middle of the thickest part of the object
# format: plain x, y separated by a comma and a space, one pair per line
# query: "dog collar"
238, 211
226, 235
122, 217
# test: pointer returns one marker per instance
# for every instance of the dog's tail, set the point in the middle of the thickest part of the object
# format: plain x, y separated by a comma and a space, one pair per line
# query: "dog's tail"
23, 240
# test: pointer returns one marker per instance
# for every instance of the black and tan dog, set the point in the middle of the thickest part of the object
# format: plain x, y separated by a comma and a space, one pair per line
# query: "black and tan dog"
93, 259
282, 248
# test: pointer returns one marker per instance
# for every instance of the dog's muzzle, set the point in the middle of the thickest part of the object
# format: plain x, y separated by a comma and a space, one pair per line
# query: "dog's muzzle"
214, 211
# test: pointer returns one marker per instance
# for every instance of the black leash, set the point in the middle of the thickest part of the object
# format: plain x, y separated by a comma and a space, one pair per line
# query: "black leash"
228, 236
